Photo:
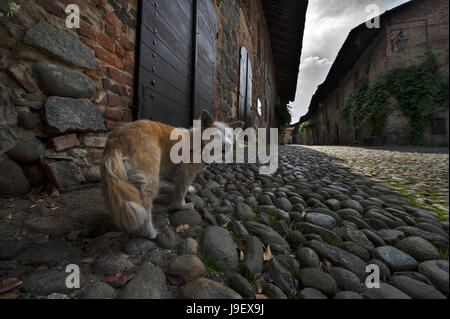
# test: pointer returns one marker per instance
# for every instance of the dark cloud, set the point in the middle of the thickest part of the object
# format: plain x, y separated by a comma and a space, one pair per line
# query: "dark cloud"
328, 23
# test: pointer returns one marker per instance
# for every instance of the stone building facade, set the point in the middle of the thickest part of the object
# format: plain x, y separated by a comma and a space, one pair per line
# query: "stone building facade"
62, 90
369, 53
242, 24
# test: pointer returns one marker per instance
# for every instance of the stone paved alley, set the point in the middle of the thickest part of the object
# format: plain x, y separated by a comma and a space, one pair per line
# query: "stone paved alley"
328, 213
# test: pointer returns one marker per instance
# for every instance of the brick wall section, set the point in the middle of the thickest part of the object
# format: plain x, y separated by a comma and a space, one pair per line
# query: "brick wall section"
108, 28
242, 24
379, 58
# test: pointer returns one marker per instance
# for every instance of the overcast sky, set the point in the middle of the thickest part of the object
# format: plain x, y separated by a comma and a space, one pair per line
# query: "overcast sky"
328, 22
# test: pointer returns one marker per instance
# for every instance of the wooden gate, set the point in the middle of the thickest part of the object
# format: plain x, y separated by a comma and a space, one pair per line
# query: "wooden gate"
176, 60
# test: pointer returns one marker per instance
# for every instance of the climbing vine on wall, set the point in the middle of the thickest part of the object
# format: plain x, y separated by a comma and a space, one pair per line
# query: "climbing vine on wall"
419, 90
306, 126
309, 125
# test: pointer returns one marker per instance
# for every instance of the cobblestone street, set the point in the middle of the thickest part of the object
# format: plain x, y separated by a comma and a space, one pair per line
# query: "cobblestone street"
418, 172
308, 232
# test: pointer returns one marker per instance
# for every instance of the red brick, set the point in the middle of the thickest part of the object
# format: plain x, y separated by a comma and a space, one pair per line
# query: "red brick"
121, 90
100, 70
134, 4
120, 77
111, 31
80, 3
106, 42
98, 7
127, 116
120, 51
92, 75
125, 43
112, 125
117, 101
118, 115
128, 67
112, 19
87, 31
88, 43
95, 141
51, 7
95, 156
96, 3
65, 142
122, 3
113, 114
108, 58
129, 56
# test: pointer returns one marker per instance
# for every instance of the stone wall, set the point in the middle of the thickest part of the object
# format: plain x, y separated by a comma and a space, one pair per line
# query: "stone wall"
62, 89
379, 58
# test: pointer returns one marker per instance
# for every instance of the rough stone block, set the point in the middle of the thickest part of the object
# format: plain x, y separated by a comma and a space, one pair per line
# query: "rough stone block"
12, 180
71, 115
63, 174
61, 81
9, 136
60, 44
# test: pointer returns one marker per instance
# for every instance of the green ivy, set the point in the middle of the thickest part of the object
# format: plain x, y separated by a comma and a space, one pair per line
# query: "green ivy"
12, 9
419, 90
308, 125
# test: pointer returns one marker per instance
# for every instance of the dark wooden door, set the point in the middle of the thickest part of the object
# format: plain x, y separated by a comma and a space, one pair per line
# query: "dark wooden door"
205, 89
169, 56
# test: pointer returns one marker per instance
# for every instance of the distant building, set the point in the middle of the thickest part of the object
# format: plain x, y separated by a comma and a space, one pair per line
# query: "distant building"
288, 138
405, 35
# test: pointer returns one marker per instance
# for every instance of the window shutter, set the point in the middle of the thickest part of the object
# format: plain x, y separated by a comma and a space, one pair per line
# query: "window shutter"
243, 84
248, 114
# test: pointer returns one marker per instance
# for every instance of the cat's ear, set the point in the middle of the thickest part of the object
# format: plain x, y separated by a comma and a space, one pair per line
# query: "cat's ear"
206, 119
237, 124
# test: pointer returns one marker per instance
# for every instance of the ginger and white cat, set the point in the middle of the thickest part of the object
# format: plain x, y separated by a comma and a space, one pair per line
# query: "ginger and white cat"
136, 157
